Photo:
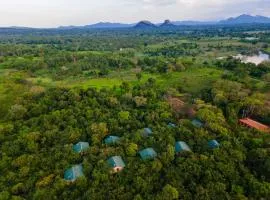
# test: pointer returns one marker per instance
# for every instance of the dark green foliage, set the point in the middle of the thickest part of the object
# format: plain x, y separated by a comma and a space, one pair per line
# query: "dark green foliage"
40, 125
35, 153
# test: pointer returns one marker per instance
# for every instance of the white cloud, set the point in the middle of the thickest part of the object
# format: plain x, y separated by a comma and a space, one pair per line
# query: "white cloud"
153, 2
50, 13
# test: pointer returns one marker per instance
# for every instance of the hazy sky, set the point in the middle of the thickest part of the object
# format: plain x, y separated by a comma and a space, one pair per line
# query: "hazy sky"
53, 13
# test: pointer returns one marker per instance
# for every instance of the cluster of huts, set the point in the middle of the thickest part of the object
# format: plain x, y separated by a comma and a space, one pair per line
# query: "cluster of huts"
117, 164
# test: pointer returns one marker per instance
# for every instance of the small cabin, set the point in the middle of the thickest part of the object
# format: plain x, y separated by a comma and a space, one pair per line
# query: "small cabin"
73, 173
213, 144
197, 123
80, 147
148, 154
171, 125
111, 140
147, 132
116, 163
181, 146
254, 125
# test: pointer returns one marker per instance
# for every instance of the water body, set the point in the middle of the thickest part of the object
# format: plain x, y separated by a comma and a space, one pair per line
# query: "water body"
256, 59
251, 38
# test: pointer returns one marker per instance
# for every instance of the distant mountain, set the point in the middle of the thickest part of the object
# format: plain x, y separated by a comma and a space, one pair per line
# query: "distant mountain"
69, 27
242, 19
100, 25
193, 23
246, 19
17, 27
167, 24
109, 25
145, 24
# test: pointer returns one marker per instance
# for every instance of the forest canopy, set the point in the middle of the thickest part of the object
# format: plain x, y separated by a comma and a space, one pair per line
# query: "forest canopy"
164, 106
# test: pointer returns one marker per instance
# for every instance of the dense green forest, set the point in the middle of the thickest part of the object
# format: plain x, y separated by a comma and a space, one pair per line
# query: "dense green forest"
61, 87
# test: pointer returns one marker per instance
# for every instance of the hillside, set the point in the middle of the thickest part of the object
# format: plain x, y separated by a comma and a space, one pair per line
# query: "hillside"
109, 25
167, 24
145, 25
246, 19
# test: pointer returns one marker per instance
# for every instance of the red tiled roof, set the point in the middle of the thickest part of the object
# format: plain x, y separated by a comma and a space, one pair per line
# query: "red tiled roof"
253, 124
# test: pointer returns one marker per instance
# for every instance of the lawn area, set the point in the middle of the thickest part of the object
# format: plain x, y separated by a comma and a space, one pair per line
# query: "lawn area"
77, 82
192, 80
96, 82
113, 79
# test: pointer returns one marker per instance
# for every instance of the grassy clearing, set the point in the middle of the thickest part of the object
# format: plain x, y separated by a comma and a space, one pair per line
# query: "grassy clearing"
192, 80
97, 83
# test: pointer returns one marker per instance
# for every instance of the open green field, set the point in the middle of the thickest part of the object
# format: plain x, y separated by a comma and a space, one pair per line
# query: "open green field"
14, 84
191, 80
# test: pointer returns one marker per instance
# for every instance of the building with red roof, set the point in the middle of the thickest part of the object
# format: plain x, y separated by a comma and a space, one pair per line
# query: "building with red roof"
254, 124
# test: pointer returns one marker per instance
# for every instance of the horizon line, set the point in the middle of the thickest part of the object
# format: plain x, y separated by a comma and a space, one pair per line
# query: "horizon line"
128, 23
